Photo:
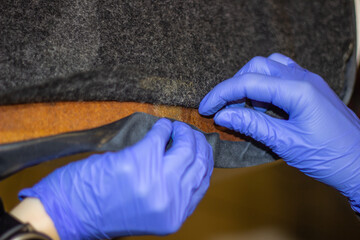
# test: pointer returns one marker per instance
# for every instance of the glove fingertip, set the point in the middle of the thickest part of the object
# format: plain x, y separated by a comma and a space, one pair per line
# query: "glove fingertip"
223, 118
163, 126
200, 136
281, 58
203, 108
163, 122
180, 129
212, 102
159, 134
180, 125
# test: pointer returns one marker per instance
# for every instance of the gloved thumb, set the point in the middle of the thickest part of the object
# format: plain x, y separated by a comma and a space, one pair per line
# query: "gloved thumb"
252, 123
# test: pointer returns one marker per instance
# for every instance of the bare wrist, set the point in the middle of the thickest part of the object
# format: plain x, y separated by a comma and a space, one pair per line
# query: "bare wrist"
31, 211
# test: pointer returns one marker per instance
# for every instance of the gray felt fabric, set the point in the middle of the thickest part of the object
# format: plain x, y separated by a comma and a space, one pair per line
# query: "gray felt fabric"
117, 136
168, 52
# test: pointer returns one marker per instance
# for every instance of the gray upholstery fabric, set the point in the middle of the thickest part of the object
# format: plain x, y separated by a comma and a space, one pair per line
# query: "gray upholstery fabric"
168, 52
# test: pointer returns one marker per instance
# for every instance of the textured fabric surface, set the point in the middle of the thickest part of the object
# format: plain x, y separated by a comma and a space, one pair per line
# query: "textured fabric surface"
168, 52
117, 136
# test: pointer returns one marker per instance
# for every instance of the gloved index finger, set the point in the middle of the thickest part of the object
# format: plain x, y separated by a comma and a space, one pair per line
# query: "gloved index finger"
282, 93
158, 135
285, 60
183, 149
198, 176
276, 65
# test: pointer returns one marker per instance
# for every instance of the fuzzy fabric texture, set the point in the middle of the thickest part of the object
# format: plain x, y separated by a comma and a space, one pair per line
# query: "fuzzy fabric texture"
163, 52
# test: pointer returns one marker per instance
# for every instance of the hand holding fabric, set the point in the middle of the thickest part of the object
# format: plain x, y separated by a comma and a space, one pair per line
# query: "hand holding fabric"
322, 135
142, 189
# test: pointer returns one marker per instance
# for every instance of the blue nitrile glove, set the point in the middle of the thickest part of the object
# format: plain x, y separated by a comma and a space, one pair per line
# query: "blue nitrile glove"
140, 190
321, 136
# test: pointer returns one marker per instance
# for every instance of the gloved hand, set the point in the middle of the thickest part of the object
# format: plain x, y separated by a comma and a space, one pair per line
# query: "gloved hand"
321, 136
140, 190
